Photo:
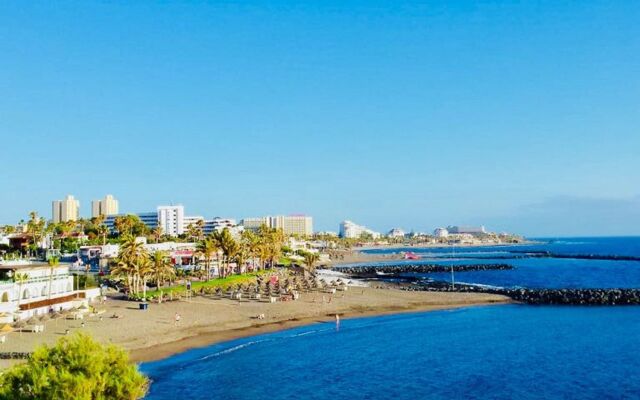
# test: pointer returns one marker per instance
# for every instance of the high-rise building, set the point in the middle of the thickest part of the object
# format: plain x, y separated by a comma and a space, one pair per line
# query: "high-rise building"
290, 224
171, 219
293, 224
255, 223
107, 206
65, 210
352, 230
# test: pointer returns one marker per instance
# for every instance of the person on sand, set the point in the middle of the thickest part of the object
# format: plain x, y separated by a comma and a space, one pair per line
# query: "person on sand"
177, 319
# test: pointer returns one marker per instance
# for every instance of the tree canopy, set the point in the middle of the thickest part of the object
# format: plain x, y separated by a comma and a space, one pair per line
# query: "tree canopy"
78, 368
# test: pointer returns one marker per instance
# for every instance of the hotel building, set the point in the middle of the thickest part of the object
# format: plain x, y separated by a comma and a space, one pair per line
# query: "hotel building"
65, 210
107, 206
291, 225
349, 229
44, 289
171, 219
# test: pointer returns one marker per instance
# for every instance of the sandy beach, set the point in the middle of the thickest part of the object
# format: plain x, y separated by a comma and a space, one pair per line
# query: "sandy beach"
153, 334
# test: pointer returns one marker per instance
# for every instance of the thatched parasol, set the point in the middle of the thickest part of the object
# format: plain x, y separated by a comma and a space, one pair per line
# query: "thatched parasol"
19, 324
6, 328
33, 320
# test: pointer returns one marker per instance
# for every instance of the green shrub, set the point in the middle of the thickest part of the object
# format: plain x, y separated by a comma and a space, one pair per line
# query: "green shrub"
77, 368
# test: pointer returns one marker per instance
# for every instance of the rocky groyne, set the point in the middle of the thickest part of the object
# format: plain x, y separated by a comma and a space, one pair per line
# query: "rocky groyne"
548, 254
601, 297
361, 271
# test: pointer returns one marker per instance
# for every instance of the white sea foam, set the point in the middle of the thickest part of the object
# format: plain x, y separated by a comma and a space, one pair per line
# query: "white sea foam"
231, 349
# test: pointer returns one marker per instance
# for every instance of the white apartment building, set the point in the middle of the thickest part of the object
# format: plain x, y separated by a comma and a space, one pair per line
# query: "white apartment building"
441, 233
218, 224
171, 219
150, 219
291, 224
351, 230
45, 288
190, 220
107, 206
255, 223
396, 233
65, 210
472, 230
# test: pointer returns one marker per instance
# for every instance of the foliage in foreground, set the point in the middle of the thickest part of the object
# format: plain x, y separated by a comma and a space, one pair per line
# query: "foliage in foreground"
77, 367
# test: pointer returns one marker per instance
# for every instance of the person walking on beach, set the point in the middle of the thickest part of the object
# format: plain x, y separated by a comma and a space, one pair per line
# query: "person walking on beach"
177, 319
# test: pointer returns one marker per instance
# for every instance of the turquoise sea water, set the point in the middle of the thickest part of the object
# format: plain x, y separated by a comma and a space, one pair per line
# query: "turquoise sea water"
493, 352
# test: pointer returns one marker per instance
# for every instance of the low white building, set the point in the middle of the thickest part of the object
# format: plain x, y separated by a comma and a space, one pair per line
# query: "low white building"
42, 289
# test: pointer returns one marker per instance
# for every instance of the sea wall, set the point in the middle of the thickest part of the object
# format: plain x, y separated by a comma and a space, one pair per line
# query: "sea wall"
544, 296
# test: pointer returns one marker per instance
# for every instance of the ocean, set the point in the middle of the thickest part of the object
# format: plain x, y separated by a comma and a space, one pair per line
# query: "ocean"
491, 352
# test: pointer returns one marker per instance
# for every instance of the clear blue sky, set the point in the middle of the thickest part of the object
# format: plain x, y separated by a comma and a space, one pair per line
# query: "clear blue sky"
522, 116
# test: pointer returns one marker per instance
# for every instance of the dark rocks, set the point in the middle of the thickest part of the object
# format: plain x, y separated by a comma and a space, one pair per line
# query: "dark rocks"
375, 270
548, 254
544, 296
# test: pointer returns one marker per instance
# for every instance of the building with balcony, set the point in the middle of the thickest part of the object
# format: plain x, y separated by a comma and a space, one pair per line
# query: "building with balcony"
301, 225
28, 289
218, 224
171, 220
351, 230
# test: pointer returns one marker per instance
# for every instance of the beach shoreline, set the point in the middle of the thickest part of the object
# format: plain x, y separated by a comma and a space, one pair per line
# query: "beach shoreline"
165, 350
153, 334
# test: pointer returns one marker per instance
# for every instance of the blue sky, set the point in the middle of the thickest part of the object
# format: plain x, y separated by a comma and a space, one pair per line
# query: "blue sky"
522, 116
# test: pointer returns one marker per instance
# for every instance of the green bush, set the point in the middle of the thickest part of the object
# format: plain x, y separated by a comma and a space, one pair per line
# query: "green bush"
77, 368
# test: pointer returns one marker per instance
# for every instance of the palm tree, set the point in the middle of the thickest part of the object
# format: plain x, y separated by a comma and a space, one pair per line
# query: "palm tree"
132, 263
21, 278
53, 262
207, 248
200, 228
251, 243
310, 259
227, 244
196, 232
35, 229
157, 233
161, 267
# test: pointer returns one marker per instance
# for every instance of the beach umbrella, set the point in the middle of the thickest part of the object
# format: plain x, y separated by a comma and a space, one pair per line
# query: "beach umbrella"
19, 325
44, 317
33, 320
6, 328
